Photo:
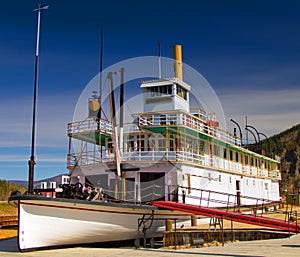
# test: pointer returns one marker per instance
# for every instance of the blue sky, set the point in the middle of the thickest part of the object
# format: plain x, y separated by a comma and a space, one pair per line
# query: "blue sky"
249, 52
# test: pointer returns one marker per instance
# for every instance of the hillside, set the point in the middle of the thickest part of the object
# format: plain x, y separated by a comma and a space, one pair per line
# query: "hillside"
6, 188
287, 146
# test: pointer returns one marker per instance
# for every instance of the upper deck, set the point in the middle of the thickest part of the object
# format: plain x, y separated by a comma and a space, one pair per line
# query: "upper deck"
159, 121
174, 136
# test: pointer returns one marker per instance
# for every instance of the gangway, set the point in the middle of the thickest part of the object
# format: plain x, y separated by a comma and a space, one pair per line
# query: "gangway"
229, 215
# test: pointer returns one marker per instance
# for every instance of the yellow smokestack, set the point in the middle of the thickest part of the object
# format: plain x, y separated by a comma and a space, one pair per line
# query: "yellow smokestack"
178, 62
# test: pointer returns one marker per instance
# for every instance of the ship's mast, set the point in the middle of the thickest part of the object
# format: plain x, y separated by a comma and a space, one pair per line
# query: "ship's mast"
113, 121
100, 93
31, 161
121, 102
117, 144
101, 69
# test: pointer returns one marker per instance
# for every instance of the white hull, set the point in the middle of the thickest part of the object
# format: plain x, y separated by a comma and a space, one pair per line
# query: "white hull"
46, 223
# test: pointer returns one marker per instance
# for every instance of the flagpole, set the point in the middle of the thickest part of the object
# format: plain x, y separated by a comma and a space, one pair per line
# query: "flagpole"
31, 161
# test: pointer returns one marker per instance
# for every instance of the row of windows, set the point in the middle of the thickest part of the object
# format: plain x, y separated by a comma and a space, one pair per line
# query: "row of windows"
232, 155
166, 90
248, 182
148, 143
159, 91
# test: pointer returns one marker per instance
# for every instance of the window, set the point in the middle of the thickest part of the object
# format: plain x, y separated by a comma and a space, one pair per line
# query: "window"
209, 177
230, 180
154, 91
201, 145
220, 177
172, 143
225, 153
237, 156
231, 155
110, 146
181, 92
189, 144
246, 159
130, 144
216, 150
205, 146
266, 186
159, 91
165, 90
143, 146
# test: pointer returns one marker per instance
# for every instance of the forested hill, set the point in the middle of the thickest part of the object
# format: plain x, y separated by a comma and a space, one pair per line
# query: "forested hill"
6, 188
287, 146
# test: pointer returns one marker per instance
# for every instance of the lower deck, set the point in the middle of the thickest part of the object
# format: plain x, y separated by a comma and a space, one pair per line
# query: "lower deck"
183, 183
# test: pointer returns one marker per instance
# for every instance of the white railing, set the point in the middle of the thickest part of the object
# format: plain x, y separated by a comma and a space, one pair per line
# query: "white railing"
188, 120
180, 155
89, 157
155, 154
189, 156
151, 156
90, 125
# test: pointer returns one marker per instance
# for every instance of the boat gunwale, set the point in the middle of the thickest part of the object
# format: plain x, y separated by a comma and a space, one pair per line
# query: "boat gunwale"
78, 201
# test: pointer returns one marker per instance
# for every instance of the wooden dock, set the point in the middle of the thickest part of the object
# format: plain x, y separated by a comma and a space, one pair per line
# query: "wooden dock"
198, 237
8, 221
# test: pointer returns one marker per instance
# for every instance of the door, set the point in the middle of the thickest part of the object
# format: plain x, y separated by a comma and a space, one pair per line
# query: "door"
152, 186
130, 190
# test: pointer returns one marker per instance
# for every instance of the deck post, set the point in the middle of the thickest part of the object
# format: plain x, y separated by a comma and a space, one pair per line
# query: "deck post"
194, 220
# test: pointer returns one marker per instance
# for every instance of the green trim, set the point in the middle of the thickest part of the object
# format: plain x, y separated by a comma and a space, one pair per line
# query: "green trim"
91, 137
191, 133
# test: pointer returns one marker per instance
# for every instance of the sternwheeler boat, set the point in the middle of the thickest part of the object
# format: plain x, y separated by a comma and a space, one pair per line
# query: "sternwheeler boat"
168, 152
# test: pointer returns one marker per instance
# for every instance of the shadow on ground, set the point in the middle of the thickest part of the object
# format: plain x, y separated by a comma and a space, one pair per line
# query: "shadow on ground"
9, 245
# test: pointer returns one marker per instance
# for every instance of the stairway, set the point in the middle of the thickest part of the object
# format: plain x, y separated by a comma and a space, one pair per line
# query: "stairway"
229, 215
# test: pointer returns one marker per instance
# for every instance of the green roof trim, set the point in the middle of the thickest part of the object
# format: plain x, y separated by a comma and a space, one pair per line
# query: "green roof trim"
91, 137
177, 130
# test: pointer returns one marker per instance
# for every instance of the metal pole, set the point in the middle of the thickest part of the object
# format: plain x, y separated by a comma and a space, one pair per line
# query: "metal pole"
268, 149
159, 61
263, 135
241, 135
258, 137
252, 134
31, 161
247, 131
